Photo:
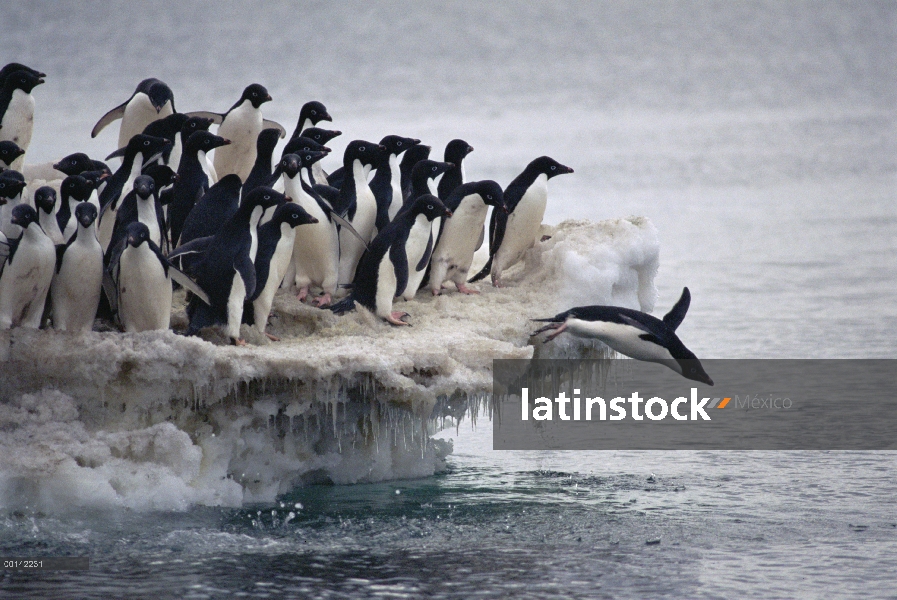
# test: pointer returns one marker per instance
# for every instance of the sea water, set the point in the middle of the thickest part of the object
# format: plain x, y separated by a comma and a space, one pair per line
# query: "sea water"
758, 138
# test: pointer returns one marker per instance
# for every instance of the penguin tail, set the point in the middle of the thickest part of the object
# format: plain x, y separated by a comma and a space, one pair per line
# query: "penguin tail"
482, 273
345, 305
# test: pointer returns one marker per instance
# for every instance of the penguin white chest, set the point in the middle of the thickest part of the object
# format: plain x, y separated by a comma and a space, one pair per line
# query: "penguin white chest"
460, 235
18, 121
76, 287
26, 280
241, 126
139, 113
622, 338
395, 174
523, 224
144, 291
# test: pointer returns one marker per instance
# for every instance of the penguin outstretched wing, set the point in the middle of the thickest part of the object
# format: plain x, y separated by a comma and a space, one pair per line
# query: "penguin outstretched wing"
348, 226
187, 283
674, 318
269, 124
113, 115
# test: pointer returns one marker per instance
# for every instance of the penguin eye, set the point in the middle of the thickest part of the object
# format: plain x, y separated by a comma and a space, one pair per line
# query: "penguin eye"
429, 207
267, 197
254, 94
488, 197
553, 167
146, 143
295, 215
318, 136
434, 168
398, 143
361, 149
307, 157
314, 112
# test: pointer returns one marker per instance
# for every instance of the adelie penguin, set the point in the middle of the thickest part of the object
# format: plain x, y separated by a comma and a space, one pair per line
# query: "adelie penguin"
512, 234
634, 334
356, 204
17, 110
141, 204
423, 233
194, 179
276, 239
455, 152
263, 169
382, 273
152, 100
45, 203
140, 152
320, 136
412, 156
463, 233
225, 271
26, 271
387, 182
9, 152
310, 115
77, 284
242, 125
75, 189
214, 209
12, 185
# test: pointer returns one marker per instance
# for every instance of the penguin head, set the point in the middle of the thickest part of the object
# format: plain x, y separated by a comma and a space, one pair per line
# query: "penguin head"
160, 94
77, 187
263, 196
144, 186
256, 94
414, 155
148, 145
321, 136
267, 140
167, 127
308, 158
162, 175
314, 111
11, 68
23, 216
430, 169
23, 80
73, 164
195, 124
293, 215
492, 194
549, 167
692, 368
204, 141
86, 213
456, 150
431, 207
396, 144
303, 144
9, 151
137, 234
45, 199
11, 185
368, 153
290, 164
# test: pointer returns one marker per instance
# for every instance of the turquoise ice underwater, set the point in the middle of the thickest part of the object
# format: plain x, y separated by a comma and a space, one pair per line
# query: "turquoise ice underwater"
759, 140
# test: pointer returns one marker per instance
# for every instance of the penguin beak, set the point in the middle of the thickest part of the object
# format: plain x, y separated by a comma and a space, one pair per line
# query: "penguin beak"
39, 81
326, 149
504, 208
327, 117
226, 142
337, 133
287, 199
448, 213
450, 165
469, 149
415, 142
569, 170
268, 98
312, 221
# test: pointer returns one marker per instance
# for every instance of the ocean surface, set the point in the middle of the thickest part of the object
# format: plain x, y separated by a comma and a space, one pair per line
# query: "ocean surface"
759, 137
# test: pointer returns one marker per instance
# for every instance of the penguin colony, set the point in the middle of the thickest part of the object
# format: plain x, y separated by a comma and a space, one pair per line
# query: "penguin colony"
220, 215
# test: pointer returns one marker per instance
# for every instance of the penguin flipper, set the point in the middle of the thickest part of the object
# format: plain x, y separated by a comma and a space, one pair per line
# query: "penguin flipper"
633, 323
483, 273
197, 246
217, 118
482, 238
268, 124
113, 115
348, 226
425, 259
243, 265
400, 264
118, 153
187, 283
674, 318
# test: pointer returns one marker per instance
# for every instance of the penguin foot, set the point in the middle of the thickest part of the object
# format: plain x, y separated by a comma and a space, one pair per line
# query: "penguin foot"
322, 301
558, 328
239, 342
436, 292
466, 290
303, 292
272, 337
395, 317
